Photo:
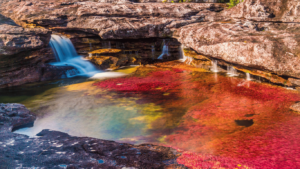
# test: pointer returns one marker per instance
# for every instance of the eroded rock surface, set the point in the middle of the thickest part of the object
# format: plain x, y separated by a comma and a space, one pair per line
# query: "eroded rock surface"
111, 21
263, 46
53, 149
266, 10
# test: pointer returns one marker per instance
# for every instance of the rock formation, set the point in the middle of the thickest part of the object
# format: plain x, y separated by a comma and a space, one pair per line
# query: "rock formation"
259, 35
23, 54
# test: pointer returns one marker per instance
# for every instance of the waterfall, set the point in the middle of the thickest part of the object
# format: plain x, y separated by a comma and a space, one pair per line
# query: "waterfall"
214, 66
164, 52
189, 60
67, 56
248, 76
91, 46
182, 55
90, 55
231, 71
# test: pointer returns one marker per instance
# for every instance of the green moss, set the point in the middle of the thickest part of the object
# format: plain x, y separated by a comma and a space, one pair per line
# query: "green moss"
233, 3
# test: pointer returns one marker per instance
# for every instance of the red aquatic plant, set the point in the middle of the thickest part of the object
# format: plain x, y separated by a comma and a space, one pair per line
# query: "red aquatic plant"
205, 107
155, 81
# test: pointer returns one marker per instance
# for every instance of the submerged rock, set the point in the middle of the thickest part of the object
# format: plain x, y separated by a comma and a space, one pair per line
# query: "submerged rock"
53, 149
296, 107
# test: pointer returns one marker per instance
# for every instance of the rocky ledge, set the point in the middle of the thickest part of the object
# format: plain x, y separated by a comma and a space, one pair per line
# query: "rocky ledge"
260, 35
110, 21
255, 35
53, 149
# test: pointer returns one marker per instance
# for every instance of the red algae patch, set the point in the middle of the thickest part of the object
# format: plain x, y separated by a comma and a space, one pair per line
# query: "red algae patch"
207, 111
159, 80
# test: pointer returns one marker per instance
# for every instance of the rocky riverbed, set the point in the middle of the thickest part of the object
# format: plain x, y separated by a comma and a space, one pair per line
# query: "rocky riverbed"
54, 149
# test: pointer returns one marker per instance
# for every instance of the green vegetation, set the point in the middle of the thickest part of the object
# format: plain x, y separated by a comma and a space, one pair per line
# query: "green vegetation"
233, 3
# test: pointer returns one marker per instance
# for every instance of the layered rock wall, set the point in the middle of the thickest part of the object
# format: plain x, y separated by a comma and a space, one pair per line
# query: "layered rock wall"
24, 53
256, 34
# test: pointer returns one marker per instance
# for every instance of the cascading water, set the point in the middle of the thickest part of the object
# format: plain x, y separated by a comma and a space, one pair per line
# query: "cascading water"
164, 52
67, 56
182, 55
231, 71
248, 76
214, 66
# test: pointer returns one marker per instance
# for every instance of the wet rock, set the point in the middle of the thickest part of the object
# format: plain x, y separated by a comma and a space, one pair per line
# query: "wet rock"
14, 115
296, 107
53, 149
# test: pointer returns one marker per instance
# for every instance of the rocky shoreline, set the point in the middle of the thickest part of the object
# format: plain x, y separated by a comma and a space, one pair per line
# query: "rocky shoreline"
53, 149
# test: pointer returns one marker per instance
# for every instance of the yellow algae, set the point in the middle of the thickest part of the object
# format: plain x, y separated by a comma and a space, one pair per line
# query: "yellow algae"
87, 87
162, 139
100, 51
89, 40
273, 78
127, 70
